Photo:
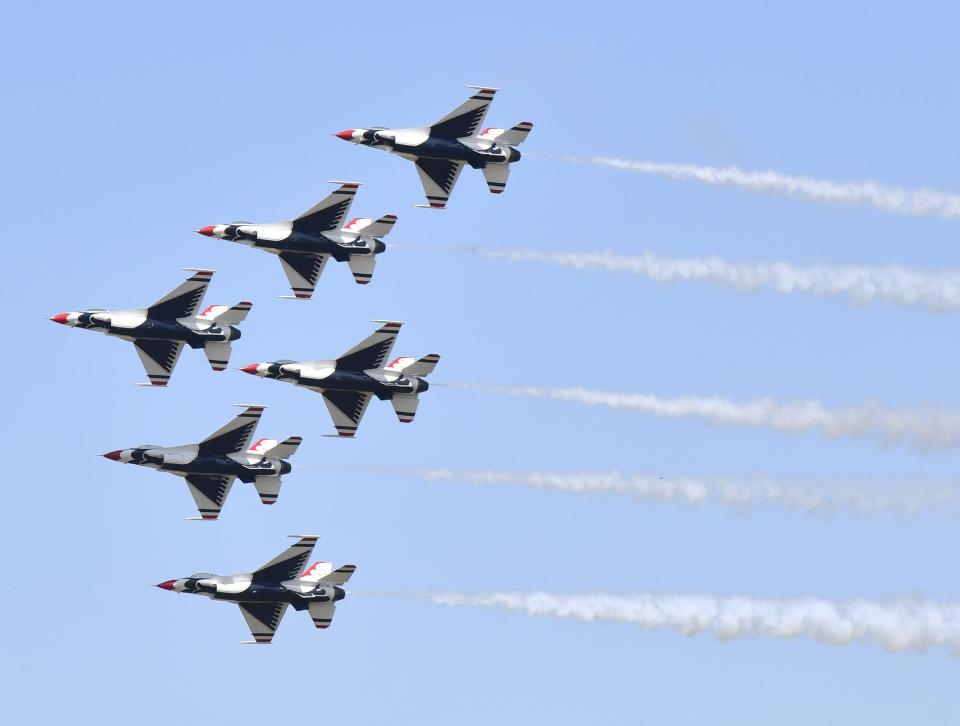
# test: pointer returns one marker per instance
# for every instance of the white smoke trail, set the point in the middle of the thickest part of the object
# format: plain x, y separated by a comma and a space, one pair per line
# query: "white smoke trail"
924, 430
741, 493
894, 625
915, 202
892, 283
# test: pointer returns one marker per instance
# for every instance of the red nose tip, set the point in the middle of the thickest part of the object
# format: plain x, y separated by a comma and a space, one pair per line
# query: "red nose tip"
345, 135
61, 318
206, 231
113, 455
168, 585
252, 368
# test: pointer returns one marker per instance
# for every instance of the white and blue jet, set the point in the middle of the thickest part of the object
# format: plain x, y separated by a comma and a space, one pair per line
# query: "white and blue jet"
264, 594
210, 467
349, 382
306, 243
441, 150
160, 331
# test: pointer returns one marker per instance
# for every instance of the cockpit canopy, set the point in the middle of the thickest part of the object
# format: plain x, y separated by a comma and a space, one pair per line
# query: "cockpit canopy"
200, 575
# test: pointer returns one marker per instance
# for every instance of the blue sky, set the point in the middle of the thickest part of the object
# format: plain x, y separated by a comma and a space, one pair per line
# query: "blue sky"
127, 127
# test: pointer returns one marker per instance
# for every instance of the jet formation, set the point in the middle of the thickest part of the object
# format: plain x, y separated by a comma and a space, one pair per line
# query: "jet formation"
306, 243
349, 382
211, 466
264, 594
160, 331
441, 150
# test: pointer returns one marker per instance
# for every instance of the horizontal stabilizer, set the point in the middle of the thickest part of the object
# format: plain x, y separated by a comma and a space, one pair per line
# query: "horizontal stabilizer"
496, 176
508, 137
218, 354
422, 367
362, 267
371, 227
405, 405
321, 613
268, 487
339, 576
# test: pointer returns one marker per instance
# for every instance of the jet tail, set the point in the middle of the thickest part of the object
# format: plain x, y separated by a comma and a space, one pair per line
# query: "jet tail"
413, 367
508, 137
224, 315
274, 449
371, 227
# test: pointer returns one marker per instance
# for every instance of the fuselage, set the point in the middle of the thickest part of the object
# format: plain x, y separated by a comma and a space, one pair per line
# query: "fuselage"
242, 588
279, 237
186, 460
324, 375
137, 325
417, 142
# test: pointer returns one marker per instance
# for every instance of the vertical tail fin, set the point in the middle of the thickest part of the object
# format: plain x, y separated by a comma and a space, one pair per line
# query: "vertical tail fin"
274, 449
224, 315
371, 227
508, 137
413, 367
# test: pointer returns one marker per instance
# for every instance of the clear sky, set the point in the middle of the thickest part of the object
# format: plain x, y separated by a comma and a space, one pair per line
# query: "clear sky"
127, 126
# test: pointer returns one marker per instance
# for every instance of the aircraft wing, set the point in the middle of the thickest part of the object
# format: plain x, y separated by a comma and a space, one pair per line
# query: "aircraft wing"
183, 300
234, 436
263, 619
159, 358
328, 213
209, 492
303, 270
438, 177
288, 564
466, 118
346, 409
373, 350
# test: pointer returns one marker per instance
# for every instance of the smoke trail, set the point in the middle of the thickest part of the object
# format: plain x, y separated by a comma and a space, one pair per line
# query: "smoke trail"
922, 430
892, 283
742, 493
915, 202
894, 625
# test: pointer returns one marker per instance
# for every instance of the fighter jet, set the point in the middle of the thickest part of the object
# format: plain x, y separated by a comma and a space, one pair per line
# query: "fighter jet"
306, 243
348, 382
160, 331
263, 595
211, 466
441, 150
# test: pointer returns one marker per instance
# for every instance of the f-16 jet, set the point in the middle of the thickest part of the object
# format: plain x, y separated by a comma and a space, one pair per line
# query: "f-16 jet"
441, 149
211, 466
160, 331
306, 243
264, 594
350, 381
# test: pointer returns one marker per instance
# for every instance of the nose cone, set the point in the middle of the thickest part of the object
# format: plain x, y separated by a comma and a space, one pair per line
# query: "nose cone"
166, 585
251, 369
61, 318
206, 231
113, 455
346, 135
